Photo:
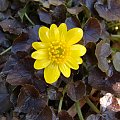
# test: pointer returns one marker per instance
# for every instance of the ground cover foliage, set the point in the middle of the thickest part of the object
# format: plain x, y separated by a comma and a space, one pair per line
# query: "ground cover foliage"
24, 95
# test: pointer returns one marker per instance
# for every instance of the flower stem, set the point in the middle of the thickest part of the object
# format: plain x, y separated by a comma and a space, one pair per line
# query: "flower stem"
78, 109
61, 100
5, 50
92, 106
115, 38
29, 19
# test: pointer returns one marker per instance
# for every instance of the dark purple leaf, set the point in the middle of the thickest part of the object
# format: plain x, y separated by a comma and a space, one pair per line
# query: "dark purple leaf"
23, 42
75, 10
108, 10
45, 114
59, 14
64, 115
90, 55
92, 31
100, 81
20, 44
89, 4
54, 94
11, 26
5, 15
76, 90
4, 5
5, 103
45, 16
102, 51
21, 73
72, 22
30, 101
3, 40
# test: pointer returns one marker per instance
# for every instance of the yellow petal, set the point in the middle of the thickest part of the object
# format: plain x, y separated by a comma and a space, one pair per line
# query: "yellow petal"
79, 60
51, 73
72, 63
40, 54
78, 50
54, 33
39, 45
44, 34
40, 64
62, 30
65, 70
74, 35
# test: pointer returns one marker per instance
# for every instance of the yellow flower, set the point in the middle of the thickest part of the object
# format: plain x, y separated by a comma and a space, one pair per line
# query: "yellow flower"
58, 52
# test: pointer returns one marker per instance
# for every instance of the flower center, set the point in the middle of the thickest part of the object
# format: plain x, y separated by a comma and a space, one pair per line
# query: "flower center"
58, 52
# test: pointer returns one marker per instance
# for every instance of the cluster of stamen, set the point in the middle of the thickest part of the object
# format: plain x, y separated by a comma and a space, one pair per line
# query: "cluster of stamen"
58, 52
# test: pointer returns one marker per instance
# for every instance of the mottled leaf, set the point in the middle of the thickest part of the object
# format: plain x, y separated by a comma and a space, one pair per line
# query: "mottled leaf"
30, 101
56, 2
76, 90
64, 115
72, 22
110, 115
116, 61
102, 51
109, 9
92, 31
11, 26
93, 117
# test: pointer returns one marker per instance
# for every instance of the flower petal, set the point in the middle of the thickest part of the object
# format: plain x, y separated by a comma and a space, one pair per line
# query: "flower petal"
44, 34
79, 60
39, 45
65, 70
74, 35
78, 50
54, 33
40, 54
62, 30
51, 73
40, 64
72, 63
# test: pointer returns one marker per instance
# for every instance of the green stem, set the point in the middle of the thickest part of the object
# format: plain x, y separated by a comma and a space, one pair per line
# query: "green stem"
61, 100
29, 19
113, 25
115, 37
78, 108
92, 106
5, 50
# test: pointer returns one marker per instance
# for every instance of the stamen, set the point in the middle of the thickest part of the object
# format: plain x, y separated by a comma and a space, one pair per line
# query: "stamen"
58, 52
